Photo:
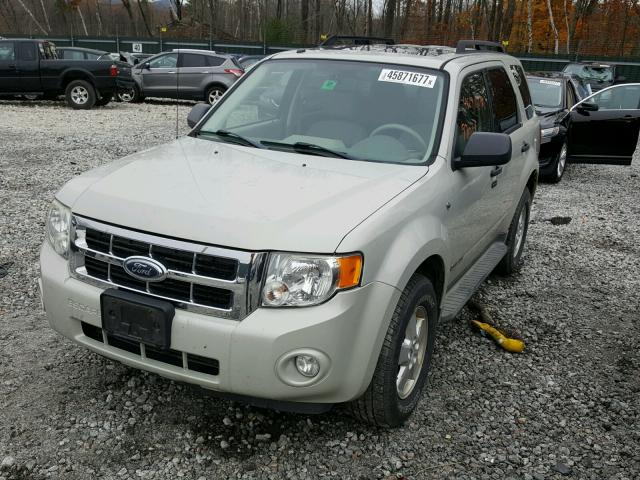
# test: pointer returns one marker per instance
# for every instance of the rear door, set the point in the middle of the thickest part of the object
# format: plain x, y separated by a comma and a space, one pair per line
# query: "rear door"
193, 70
161, 77
27, 59
8, 68
605, 129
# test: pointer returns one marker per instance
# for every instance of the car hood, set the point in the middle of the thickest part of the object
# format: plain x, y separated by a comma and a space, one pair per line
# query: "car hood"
236, 196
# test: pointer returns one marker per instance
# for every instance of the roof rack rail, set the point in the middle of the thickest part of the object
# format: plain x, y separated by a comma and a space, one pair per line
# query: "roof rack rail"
464, 46
354, 40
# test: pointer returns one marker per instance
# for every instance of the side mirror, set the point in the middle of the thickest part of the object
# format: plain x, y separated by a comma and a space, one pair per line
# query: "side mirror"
485, 149
588, 107
197, 112
145, 65
620, 79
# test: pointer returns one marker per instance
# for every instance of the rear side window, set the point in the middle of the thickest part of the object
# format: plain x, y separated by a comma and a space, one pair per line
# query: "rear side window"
505, 106
7, 52
193, 60
73, 55
214, 61
521, 81
26, 51
474, 111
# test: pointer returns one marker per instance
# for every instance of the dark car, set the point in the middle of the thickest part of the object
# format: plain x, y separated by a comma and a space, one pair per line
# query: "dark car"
79, 53
31, 67
553, 95
603, 128
597, 75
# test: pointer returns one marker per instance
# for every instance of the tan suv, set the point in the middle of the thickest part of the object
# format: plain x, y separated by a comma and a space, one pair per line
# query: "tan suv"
298, 248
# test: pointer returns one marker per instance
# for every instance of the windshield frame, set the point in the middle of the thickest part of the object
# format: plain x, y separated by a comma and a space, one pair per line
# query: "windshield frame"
438, 124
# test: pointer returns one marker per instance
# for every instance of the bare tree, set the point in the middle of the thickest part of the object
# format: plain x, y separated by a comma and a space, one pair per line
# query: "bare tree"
529, 25
30, 13
389, 17
46, 17
304, 19
142, 4
553, 27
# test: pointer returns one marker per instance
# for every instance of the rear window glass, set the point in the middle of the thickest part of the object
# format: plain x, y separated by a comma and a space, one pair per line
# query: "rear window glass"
505, 106
193, 60
521, 81
214, 61
26, 51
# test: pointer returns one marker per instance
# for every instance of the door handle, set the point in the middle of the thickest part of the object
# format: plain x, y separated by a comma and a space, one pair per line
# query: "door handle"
171, 71
525, 147
496, 171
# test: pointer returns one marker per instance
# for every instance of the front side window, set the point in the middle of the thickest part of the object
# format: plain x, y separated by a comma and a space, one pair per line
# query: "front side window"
165, 61
546, 93
505, 105
622, 97
474, 111
7, 52
355, 110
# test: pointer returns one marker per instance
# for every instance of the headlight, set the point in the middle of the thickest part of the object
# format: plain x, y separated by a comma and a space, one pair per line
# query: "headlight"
550, 132
58, 222
303, 280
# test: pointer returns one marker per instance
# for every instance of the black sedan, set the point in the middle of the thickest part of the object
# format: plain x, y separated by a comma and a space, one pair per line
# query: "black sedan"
553, 95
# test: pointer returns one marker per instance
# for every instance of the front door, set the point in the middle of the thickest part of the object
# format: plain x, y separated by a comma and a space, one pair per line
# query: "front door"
160, 78
8, 68
604, 127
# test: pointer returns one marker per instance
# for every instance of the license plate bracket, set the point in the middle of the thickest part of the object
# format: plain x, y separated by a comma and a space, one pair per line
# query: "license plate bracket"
137, 317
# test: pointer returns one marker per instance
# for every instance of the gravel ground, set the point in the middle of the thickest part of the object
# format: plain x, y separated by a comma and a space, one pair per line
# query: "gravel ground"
569, 406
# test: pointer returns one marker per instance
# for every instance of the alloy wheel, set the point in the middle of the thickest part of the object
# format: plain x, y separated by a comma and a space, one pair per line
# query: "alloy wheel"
412, 352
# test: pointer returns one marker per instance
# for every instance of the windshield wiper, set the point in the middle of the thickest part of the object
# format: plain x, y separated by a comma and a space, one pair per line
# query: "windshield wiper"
247, 142
310, 148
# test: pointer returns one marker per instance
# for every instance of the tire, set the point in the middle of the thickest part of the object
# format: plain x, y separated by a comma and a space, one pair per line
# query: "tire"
103, 101
130, 96
559, 165
80, 95
214, 94
387, 402
517, 236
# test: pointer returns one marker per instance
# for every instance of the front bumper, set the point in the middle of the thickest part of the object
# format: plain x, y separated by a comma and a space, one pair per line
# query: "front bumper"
254, 354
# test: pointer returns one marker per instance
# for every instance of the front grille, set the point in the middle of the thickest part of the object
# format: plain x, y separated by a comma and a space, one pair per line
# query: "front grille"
211, 280
210, 366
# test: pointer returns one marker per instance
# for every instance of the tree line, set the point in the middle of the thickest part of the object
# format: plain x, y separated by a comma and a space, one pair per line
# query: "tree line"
596, 27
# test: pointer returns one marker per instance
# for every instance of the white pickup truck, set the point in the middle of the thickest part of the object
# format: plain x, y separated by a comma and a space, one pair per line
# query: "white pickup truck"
298, 248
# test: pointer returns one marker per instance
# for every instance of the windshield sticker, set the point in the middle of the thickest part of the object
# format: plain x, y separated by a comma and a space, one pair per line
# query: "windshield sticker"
408, 78
550, 82
329, 85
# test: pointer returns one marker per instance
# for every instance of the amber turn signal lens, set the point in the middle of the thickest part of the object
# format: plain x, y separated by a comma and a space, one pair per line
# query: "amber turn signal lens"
350, 271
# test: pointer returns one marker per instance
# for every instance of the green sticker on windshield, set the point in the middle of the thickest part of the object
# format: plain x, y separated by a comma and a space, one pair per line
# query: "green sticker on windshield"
329, 85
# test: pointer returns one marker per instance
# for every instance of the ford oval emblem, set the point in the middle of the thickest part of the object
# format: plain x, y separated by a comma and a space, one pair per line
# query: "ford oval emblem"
145, 269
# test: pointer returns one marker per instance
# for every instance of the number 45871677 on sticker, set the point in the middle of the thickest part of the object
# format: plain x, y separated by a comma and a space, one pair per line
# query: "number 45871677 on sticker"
408, 78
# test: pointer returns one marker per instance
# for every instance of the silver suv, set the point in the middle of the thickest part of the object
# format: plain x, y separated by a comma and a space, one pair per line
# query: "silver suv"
299, 247
185, 74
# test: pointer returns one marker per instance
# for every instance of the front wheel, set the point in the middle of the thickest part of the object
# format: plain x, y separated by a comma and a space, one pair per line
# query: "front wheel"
559, 165
517, 236
403, 364
80, 95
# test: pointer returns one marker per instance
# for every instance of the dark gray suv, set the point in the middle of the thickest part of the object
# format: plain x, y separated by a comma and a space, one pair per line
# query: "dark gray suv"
185, 74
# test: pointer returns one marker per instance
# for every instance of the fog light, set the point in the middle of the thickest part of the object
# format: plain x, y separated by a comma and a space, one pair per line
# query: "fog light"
307, 365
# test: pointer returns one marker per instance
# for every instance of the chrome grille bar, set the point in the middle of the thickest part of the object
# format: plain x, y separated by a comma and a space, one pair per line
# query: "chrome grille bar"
243, 289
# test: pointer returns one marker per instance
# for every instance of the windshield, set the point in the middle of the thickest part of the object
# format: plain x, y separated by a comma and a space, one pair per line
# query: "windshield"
351, 110
545, 93
588, 72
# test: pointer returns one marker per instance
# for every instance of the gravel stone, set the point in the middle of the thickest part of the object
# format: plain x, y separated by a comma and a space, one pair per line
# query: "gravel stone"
570, 399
